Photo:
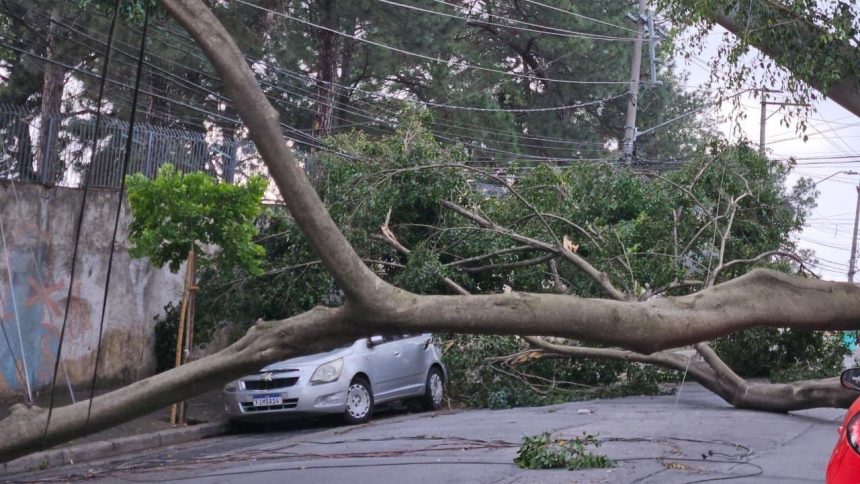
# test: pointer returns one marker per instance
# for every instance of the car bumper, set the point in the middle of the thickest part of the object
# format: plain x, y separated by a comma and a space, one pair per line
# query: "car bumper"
327, 398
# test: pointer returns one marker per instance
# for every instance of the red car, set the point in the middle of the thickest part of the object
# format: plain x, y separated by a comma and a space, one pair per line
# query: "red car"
844, 466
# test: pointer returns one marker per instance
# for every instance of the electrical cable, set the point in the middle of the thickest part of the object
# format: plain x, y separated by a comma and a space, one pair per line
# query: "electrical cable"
547, 30
450, 62
316, 142
579, 15
377, 94
300, 136
450, 106
17, 318
157, 463
80, 215
441, 105
126, 162
587, 35
18, 369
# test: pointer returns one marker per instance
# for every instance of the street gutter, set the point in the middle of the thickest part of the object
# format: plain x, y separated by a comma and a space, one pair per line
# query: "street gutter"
106, 448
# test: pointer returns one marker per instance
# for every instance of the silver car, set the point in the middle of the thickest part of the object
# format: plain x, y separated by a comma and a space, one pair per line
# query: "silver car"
347, 381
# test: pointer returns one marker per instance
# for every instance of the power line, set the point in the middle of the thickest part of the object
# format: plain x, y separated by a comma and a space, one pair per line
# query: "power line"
80, 216
579, 15
544, 29
125, 164
449, 62
442, 105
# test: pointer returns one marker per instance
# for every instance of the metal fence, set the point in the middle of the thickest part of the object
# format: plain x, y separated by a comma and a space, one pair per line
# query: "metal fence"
57, 150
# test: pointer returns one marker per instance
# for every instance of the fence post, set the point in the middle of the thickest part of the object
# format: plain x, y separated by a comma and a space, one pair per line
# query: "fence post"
230, 166
147, 162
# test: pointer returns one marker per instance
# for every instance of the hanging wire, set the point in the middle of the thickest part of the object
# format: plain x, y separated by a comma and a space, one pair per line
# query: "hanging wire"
80, 217
40, 280
129, 144
448, 62
17, 318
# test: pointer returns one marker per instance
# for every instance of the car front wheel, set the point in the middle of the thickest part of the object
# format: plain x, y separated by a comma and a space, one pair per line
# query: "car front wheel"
359, 402
434, 391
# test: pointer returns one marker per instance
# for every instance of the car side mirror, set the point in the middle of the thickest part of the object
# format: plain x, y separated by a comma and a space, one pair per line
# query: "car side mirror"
374, 340
850, 379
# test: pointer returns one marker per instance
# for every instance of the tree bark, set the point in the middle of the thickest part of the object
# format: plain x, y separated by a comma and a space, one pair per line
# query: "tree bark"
772, 397
327, 64
53, 82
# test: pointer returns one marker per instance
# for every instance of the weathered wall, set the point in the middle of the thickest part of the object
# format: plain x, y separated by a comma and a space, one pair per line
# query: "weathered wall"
35, 267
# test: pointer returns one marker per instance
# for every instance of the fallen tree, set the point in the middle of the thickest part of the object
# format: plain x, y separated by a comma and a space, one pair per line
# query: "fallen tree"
645, 329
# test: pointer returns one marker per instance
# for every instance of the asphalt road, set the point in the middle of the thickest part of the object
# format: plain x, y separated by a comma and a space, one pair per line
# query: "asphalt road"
697, 438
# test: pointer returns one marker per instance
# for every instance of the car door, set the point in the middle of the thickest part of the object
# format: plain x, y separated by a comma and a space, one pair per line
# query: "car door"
412, 365
383, 356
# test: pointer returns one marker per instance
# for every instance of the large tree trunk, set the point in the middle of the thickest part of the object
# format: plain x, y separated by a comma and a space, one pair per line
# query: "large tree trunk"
53, 81
761, 298
317, 330
326, 68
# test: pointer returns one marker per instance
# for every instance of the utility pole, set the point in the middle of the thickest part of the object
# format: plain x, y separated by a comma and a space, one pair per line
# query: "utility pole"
633, 99
853, 261
763, 120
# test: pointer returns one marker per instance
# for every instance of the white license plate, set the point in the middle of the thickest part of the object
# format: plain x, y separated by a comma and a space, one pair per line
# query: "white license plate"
268, 400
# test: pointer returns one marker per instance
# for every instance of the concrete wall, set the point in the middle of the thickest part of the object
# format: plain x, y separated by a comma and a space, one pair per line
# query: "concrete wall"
35, 267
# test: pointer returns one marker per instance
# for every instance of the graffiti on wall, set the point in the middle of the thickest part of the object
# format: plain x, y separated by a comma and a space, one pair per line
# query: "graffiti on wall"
33, 300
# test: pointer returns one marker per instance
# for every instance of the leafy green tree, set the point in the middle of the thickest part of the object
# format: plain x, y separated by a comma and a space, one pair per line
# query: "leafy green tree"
176, 212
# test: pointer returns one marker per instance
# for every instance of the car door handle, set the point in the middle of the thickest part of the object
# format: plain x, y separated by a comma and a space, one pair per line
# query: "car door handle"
396, 353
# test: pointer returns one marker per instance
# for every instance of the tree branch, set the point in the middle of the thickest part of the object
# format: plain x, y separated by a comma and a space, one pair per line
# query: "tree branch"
509, 265
773, 397
600, 277
844, 89
764, 255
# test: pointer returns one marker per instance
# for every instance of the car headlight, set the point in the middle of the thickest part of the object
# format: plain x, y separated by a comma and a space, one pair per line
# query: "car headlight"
231, 387
328, 372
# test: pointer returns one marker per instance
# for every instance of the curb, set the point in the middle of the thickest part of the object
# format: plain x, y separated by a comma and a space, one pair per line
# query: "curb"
107, 448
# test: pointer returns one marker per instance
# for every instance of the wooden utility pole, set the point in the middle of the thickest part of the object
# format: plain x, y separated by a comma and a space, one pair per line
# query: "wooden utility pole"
633, 95
852, 262
762, 139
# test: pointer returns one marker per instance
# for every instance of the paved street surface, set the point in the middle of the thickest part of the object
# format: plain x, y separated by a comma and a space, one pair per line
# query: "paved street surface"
652, 439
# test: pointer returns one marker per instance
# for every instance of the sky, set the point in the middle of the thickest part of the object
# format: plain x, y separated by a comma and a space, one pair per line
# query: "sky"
834, 146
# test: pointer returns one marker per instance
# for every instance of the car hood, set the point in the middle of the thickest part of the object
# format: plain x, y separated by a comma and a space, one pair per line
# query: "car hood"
309, 360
